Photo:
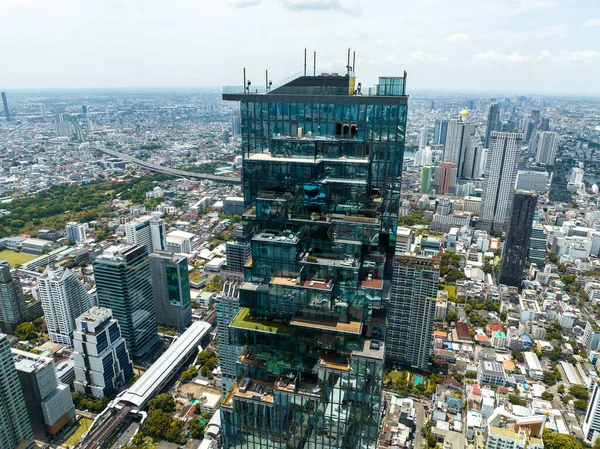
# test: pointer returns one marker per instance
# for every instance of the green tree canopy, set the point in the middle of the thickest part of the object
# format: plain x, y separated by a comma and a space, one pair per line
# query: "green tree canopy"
164, 402
26, 331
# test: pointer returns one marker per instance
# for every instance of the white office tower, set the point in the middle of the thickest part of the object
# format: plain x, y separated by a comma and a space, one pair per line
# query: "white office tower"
591, 423
43, 111
422, 138
460, 143
63, 299
148, 231
499, 185
102, 362
534, 181
63, 128
228, 306
546, 148
423, 157
75, 232
49, 403
577, 175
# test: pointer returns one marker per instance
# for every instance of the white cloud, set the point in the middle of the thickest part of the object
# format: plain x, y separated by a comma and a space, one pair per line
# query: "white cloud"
494, 56
245, 3
591, 23
347, 7
584, 56
423, 56
545, 54
457, 37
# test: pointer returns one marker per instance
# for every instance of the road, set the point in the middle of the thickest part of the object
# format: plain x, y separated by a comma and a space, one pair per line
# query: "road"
125, 436
161, 169
420, 423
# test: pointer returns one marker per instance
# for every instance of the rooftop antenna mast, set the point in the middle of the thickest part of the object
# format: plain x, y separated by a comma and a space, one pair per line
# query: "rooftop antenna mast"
348, 65
314, 63
305, 62
354, 62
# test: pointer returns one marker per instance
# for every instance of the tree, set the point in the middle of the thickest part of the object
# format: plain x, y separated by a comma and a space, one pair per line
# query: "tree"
431, 441
516, 400
560, 441
451, 317
579, 392
580, 404
26, 331
551, 377
158, 423
547, 396
164, 402
561, 389
196, 428
518, 356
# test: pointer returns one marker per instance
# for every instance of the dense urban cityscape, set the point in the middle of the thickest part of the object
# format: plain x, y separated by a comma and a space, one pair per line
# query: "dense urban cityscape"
319, 262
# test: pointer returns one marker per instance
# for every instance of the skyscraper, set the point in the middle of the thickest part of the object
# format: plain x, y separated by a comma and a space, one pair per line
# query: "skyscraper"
43, 111
228, 306
439, 132
49, 404
517, 242
63, 298
123, 282
316, 153
13, 309
148, 231
546, 148
5, 103
493, 123
422, 138
412, 309
102, 362
545, 124
500, 177
460, 145
171, 289
15, 428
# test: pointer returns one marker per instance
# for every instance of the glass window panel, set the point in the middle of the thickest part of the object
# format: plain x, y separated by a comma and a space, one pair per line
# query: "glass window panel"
354, 113
294, 111
338, 112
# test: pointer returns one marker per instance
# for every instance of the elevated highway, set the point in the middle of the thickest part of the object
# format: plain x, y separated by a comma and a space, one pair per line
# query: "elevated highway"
161, 169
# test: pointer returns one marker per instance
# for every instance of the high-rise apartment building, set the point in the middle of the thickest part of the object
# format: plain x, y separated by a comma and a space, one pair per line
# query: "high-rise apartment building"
535, 181
460, 148
537, 245
75, 232
63, 128
412, 310
49, 403
171, 289
500, 177
148, 231
238, 251
517, 242
493, 123
423, 156
322, 162
5, 104
426, 179
13, 309
123, 284
102, 362
228, 306
439, 132
63, 299
547, 146
444, 178
15, 428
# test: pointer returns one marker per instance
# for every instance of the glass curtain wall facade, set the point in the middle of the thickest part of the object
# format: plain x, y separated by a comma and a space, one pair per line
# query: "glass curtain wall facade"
321, 177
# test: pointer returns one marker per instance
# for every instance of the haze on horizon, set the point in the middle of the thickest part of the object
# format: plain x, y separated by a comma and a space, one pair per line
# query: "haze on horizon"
543, 46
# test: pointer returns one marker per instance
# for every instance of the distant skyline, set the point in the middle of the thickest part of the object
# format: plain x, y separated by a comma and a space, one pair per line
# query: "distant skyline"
530, 46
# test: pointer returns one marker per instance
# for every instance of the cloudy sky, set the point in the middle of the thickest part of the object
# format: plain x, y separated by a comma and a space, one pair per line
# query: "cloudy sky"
460, 45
